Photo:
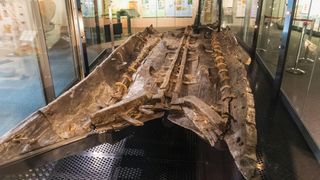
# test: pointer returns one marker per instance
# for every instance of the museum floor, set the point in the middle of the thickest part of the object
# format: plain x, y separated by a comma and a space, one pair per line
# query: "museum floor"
160, 150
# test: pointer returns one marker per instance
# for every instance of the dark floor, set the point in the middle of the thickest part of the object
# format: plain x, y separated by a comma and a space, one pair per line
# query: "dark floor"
160, 150
155, 151
280, 143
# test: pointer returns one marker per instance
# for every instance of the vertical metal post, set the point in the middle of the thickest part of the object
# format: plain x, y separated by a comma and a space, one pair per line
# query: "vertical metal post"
111, 25
43, 58
220, 15
246, 21
284, 10
81, 39
312, 24
198, 18
256, 29
284, 44
296, 9
97, 22
271, 10
175, 16
73, 28
278, 13
157, 12
129, 24
295, 69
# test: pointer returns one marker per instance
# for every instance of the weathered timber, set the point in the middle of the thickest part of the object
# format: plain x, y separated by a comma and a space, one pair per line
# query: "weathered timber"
200, 83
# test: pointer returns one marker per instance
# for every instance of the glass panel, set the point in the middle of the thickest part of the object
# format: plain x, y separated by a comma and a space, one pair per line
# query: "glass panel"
162, 14
95, 14
249, 21
240, 16
59, 45
233, 15
166, 15
124, 17
310, 115
270, 33
131, 16
300, 83
295, 82
21, 90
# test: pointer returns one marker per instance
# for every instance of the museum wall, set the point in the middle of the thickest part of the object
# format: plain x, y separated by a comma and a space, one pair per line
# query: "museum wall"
163, 13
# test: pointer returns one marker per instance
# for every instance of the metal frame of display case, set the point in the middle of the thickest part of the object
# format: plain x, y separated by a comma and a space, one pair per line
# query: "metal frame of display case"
220, 15
82, 42
78, 48
283, 48
43, 61
81, 38
284, 45
257, 28
79, 35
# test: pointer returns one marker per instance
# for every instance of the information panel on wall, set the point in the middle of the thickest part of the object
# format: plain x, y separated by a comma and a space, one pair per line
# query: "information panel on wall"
147, 8
241, 8
166, 8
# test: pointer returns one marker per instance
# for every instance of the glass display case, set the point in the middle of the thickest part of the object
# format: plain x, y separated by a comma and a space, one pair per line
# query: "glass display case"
128, 17
289, 51
37, 56
58, 39
300, 83
240, 16
271, 25
93, 14
46, 44
44, 50
20, 80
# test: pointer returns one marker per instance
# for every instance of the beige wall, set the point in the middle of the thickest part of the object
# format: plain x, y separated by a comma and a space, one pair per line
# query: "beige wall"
141, 22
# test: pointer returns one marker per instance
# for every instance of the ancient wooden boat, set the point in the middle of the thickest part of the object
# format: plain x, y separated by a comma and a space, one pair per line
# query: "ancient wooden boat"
199, 81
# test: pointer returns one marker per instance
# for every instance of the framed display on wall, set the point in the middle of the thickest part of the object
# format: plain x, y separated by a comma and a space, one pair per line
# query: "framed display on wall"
166, 8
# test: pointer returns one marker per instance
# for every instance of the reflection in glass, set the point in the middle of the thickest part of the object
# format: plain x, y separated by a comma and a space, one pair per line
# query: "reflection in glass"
270, 32
295, 85
310, 114
95, 14
129, 17
233, 16
302, 89
240, 17
20, 84
59, 45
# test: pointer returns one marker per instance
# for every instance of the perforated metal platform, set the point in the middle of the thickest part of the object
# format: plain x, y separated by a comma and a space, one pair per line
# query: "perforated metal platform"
154, 152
